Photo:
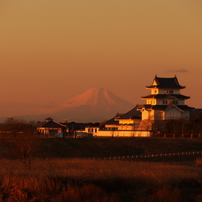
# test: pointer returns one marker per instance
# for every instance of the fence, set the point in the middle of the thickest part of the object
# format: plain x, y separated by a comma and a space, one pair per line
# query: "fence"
143, 156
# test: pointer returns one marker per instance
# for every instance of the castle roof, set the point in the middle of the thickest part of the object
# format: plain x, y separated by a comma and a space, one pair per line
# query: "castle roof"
165, 107
166, 96
166, 83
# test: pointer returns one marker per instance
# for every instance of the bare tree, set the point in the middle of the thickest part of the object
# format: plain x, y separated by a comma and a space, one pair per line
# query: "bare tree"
146, 124
154, 124
23, 147
23, 143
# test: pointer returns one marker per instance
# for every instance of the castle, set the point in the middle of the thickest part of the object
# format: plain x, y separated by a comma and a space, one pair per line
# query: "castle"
164, 102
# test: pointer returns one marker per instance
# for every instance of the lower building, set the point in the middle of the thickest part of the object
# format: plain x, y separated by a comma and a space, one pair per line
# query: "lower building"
52, 128
122, 125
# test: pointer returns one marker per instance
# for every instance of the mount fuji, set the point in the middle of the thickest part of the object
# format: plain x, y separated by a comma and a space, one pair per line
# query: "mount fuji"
95, 104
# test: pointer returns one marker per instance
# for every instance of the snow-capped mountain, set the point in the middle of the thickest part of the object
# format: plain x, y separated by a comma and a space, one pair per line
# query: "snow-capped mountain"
95, 104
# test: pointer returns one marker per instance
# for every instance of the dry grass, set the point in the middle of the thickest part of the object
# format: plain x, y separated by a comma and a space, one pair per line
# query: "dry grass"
99, 180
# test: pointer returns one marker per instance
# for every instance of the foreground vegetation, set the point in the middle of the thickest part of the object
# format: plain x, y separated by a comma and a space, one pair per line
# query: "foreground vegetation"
106, 147
60, 170
40, 169
79, 180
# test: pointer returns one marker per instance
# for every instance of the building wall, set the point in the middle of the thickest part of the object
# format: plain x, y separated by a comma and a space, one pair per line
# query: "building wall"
180, 102
173, 113
167, 91
186, 114
164, 91
124, 133
147, 114
154, 91
48, 131
127, 121
159, 115
92, 130
151, 101
126, 127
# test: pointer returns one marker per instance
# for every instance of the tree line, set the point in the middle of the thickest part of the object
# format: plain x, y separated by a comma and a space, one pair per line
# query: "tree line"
179, 127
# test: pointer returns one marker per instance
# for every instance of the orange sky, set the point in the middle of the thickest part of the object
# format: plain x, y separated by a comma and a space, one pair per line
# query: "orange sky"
51, 50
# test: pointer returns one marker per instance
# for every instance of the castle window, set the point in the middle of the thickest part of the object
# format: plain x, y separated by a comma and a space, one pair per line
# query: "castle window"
168, 91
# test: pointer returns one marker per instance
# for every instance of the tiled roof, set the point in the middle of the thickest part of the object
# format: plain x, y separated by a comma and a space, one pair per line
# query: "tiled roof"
111, 121
167, 83
133, 114
165, 96
164, 107
185, 107
50, 124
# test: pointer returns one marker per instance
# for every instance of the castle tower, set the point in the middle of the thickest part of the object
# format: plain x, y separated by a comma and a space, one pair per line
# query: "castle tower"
165, 101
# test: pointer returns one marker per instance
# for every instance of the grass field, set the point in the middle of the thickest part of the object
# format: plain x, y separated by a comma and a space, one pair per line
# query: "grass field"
61, 171
78, 180
106, 147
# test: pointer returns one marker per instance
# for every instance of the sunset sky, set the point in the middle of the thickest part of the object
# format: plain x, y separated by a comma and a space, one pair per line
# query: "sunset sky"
52, 50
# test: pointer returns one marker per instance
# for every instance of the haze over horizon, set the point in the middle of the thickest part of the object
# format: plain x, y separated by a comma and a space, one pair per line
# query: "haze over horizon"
54, 50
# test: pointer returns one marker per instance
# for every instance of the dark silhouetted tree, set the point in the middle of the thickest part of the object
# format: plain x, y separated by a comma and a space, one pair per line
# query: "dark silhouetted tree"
23, 143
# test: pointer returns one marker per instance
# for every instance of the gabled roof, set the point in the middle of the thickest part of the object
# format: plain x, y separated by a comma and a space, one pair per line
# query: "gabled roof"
167, 83
132, 114
172, 104
165, 96
112, 120
49, 123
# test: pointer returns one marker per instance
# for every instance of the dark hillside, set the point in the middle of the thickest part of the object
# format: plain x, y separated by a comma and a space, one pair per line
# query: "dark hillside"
106, 147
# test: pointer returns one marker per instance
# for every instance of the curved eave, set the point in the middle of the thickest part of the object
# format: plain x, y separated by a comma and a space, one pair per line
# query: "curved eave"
166, 96
131, 118
164, 107
160, 87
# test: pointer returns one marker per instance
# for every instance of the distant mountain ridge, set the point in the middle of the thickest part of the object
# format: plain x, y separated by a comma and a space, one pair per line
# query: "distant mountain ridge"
93, 105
